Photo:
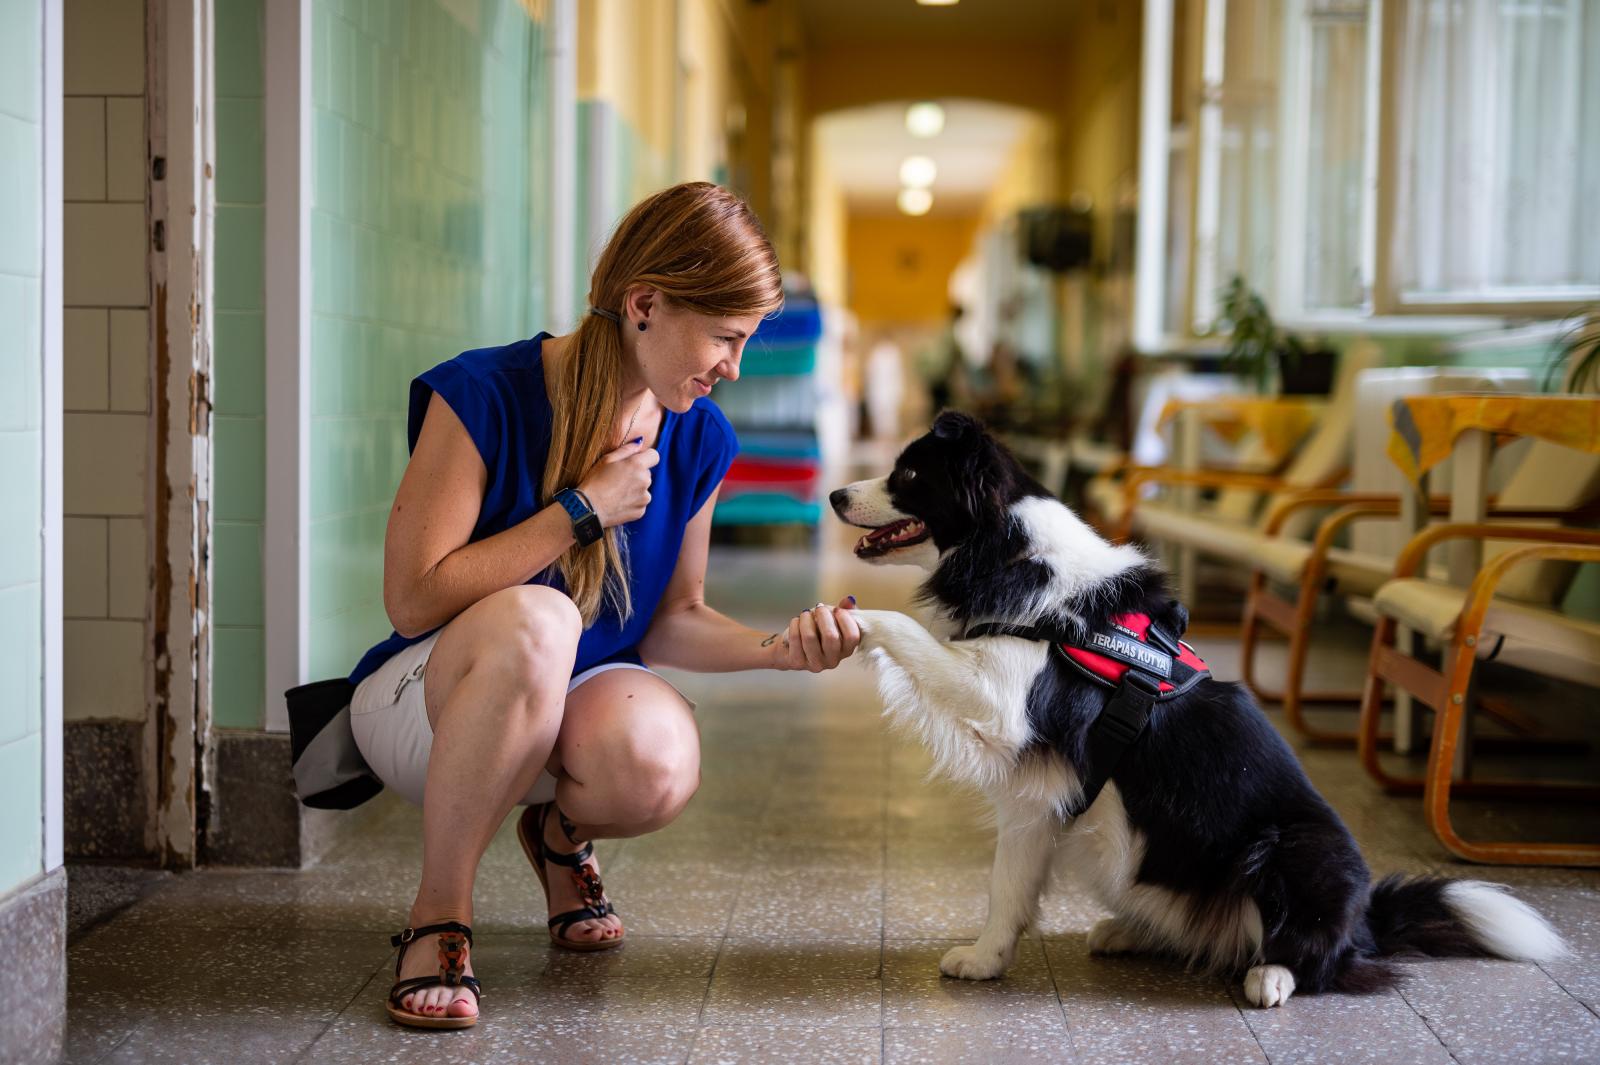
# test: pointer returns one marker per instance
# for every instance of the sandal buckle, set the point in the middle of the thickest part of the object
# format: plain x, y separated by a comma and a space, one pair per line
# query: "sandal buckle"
408, 934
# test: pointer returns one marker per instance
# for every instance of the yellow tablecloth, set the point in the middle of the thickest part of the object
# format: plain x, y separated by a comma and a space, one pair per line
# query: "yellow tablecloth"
1279, 421
1424, 428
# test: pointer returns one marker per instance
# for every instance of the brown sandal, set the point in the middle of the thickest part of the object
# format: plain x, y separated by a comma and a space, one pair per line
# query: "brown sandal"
454, 940
593, 892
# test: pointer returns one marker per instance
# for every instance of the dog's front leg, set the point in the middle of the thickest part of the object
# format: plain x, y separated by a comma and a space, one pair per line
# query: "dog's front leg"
1021, 862
987, 678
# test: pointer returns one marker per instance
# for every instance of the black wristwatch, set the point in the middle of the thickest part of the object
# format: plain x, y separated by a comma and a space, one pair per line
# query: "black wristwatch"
585, 522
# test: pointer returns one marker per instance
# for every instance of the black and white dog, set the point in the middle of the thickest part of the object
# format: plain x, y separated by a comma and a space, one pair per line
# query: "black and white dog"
1206, 840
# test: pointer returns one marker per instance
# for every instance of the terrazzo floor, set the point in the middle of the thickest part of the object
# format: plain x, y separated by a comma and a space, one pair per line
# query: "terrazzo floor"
795, 913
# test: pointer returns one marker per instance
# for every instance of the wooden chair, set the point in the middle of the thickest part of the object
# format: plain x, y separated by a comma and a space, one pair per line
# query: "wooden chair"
1551, 483
1469, 621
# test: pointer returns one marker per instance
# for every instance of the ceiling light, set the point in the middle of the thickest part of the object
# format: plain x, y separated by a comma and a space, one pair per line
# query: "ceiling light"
918, 172
924, 120
938, 3
915, 201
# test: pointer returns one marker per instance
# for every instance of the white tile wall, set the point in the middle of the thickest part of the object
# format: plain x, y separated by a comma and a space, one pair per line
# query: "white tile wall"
125, 148
105, 264
104, 48
84, 581
111, 684
107, 379
129, 360
105, 464
85, 375
128, 577
84, 153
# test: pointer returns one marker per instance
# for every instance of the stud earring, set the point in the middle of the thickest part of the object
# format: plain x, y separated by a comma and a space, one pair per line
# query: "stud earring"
642, 327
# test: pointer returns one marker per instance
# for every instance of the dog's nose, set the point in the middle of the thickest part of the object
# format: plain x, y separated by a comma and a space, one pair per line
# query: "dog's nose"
839, 498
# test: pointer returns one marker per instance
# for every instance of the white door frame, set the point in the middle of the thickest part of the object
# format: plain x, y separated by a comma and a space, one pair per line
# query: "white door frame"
52, 420
286, 563
182, 205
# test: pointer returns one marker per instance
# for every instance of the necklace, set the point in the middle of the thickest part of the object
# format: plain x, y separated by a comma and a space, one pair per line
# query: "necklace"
631, 417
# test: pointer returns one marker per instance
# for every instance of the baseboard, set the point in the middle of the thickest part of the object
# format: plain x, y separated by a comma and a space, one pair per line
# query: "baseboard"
104, 790
254, 818
33, 925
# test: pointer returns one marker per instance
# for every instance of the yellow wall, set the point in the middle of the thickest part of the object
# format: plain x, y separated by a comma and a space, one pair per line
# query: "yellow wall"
625, 57
1030, 174
900, 266
826, 254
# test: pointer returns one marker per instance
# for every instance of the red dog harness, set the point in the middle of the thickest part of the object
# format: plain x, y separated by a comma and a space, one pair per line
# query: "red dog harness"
1139, 661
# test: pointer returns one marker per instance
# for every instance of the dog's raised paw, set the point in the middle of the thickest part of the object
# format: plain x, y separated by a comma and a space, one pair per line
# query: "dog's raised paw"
1268, 985
968, 963
1111, 936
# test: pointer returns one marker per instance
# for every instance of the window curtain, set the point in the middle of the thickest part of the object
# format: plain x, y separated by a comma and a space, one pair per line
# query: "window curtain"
1498, 159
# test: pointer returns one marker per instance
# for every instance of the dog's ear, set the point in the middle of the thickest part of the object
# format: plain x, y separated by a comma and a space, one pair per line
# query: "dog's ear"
985, 475
954, 425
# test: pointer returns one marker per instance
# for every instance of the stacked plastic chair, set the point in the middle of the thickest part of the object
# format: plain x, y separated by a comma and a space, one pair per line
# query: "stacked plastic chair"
773, 407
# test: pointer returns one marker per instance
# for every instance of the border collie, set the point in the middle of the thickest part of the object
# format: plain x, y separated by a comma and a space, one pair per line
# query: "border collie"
1206, 841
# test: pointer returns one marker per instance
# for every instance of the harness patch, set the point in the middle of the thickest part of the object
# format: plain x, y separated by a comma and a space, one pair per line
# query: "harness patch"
1109, 655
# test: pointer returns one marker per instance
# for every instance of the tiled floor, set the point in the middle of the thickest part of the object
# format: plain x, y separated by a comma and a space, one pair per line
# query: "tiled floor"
796, 913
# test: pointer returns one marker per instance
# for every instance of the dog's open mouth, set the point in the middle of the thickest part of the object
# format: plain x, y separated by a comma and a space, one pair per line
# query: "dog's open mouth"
891, 537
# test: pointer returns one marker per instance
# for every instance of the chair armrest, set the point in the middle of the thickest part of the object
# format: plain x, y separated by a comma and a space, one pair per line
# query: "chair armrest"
1481, 592
1412, 555
1389, 504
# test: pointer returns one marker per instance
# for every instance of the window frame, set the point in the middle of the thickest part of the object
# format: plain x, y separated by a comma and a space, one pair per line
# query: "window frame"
1385, 307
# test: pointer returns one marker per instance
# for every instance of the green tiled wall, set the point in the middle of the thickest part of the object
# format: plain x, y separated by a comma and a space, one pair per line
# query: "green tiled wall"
238, 354
21, 474
427, 238
637, 170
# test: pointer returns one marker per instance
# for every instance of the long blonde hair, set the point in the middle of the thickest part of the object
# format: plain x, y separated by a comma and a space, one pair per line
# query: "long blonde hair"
698, 245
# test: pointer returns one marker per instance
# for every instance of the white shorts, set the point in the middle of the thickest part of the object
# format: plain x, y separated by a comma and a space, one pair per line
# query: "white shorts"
389, 716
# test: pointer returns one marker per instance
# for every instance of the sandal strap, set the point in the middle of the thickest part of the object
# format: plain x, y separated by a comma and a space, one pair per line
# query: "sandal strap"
577, 857
574, 860
406, 935
567, 827
563, 921
402, 988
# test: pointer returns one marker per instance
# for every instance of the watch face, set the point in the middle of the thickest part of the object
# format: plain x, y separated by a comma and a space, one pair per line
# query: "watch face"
588, 528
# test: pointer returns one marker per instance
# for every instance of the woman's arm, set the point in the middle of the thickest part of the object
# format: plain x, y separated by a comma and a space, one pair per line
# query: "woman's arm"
430, 572
688, 634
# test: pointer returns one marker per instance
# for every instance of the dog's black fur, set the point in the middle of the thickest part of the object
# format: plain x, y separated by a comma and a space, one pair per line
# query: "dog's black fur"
1223, 804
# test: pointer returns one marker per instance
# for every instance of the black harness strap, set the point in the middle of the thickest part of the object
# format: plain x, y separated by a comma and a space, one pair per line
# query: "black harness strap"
1119, 725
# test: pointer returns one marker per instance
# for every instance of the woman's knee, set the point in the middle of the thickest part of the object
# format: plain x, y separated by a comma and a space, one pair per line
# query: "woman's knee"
530, 630
659, 773
519, 643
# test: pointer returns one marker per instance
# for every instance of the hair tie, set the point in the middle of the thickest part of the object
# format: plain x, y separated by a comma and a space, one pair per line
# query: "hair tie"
611, 316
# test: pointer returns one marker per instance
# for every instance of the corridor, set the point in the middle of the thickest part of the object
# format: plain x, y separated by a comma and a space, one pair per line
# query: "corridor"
795, 913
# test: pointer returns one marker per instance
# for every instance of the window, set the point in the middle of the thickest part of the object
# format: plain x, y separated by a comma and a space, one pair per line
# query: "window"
1497, 152
1353, 158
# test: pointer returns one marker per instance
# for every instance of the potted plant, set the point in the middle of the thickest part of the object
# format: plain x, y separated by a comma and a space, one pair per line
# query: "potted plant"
1576, 354
1274, 358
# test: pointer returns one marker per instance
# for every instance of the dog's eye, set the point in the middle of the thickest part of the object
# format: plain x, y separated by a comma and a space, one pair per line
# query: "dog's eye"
908, 475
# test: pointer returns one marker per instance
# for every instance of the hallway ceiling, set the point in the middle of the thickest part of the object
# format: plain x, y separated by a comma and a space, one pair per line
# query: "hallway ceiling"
905, 22
865, 146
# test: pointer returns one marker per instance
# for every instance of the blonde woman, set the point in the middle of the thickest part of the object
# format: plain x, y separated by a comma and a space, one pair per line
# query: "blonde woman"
547, 546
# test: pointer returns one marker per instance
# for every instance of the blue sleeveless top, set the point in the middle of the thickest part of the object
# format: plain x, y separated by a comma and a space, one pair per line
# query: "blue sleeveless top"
499, 395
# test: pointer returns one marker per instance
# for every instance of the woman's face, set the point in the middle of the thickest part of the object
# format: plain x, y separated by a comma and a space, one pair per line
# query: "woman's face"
681, 355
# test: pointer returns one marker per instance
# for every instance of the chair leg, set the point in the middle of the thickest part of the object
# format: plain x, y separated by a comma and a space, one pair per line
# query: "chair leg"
1295, 621
1448, 722
1367, 737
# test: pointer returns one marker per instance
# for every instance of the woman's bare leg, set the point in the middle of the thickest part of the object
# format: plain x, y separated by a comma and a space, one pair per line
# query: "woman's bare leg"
627, 761
495, 688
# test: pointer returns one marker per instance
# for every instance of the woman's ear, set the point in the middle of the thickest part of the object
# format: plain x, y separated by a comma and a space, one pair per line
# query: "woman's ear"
638, 302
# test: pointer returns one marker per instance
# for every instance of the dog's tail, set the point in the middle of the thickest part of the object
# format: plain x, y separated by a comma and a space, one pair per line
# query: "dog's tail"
1457, 918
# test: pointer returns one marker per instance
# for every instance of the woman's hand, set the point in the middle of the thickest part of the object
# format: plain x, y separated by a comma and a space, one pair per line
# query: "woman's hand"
619, 485
818, 639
